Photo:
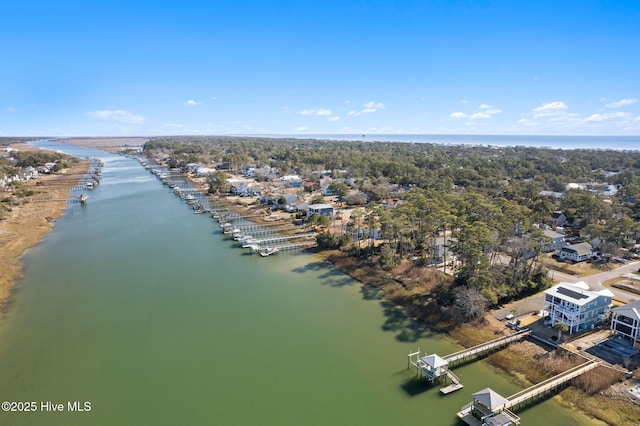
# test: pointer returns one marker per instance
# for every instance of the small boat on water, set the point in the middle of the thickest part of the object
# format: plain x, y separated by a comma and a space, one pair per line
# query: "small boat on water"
83, 198
89, 185
268, 251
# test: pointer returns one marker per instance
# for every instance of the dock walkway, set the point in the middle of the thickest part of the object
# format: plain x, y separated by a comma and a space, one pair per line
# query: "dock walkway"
489, 404
434, 367
485, 347
525, 396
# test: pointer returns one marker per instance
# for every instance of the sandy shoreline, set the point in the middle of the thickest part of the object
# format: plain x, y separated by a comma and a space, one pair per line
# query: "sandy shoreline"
27, 223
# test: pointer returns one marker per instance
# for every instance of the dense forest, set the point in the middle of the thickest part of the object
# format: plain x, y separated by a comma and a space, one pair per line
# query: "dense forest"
489, 200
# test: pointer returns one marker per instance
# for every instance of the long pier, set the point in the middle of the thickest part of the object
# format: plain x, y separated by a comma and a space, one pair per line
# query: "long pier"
524, 397
433, 367
483, 348
283, 238
489, 404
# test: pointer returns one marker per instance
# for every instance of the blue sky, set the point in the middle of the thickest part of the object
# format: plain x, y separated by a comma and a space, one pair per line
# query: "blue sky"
133, 67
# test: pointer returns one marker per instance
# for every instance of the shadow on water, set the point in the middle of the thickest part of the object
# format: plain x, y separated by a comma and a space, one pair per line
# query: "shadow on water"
416, 386
329, 275
370, 293
398, 320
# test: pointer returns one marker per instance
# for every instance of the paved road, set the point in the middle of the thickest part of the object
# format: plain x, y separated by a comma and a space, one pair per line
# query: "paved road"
595, 281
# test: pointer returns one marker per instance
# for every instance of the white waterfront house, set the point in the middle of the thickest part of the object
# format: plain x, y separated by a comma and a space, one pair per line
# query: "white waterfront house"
320, 209
625, 322
577, 306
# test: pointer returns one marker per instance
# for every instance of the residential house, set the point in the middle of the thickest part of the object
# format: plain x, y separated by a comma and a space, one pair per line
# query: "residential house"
610, 190
361, 233
558, 219
556, 241
625, 322
390, 202
577, 252
552, 194
321, 209
244, 187
324, 186
576, 306
29, 173
292, 181
440, 248
205, 171
296, 206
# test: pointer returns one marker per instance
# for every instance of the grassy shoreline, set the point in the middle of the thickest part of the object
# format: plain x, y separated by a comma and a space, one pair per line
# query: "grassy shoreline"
28, 222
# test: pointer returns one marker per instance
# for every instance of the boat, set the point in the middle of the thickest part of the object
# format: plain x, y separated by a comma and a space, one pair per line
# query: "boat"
83, 198
89, 185
268, 251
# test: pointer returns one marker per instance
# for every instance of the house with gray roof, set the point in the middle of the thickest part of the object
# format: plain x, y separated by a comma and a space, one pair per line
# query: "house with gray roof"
577, 252
556, 241
625, 322
488, 408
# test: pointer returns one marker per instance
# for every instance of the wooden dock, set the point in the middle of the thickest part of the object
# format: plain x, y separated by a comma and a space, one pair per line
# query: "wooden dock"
434, 367
484, 348
524, 397
283, 238
454, 386
479, 410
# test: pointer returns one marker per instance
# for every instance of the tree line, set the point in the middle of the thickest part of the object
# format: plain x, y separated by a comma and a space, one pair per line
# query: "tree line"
486, 201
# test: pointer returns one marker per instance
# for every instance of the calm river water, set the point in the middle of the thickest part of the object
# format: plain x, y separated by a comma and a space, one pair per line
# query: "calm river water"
141, 308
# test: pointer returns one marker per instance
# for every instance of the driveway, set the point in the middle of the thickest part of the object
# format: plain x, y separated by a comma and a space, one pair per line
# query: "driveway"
595, 282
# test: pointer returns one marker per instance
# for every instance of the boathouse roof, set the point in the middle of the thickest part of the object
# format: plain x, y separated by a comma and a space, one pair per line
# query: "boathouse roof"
490, 399
434, 361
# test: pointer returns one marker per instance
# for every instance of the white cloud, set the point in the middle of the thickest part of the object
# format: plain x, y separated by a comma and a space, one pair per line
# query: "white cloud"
526, 122
597, 117
213, 98
302, 129
609, 116
464, 101
334, 118
174, 125
117, 116
485, 113
321, 111
191, 102
11, 109
621, 103
551, 106
373, 106
479, 115
369, 107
